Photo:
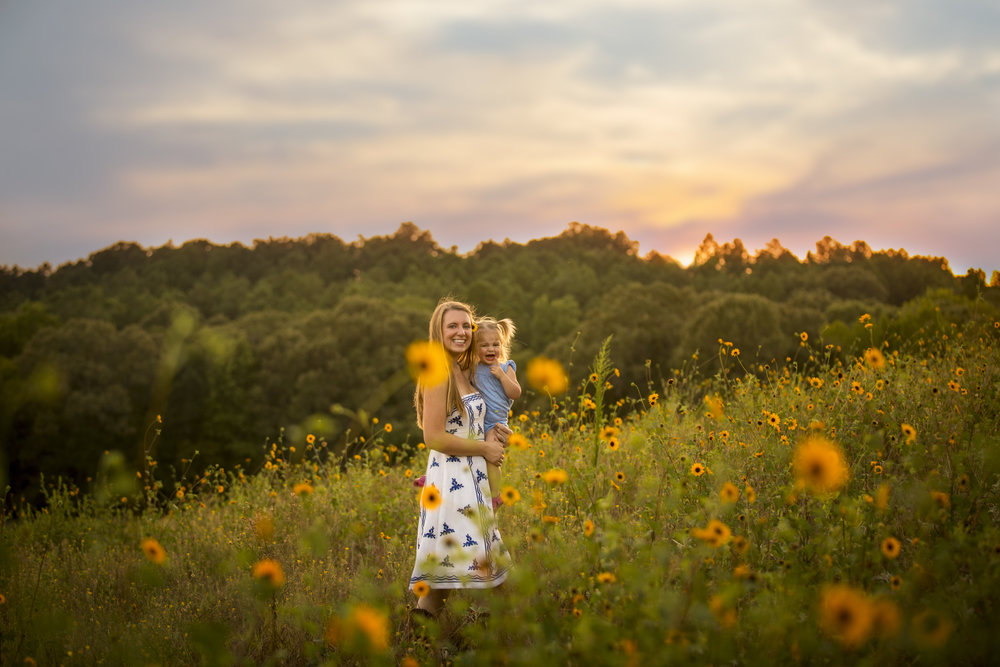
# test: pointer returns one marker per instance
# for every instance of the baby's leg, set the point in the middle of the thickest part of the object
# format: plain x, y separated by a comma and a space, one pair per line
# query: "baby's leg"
494, 477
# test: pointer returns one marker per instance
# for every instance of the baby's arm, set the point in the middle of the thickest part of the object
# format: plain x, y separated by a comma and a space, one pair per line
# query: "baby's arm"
508, 378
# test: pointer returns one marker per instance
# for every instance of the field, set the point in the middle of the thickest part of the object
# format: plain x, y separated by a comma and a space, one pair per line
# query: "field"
829, 509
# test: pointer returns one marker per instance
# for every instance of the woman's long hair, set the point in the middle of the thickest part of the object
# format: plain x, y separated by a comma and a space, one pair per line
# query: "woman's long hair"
434, 334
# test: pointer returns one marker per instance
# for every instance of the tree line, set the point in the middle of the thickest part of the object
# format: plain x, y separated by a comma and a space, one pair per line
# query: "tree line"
222, 349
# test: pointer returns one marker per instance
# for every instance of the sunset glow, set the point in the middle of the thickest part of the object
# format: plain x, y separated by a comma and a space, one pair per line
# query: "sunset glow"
154, 122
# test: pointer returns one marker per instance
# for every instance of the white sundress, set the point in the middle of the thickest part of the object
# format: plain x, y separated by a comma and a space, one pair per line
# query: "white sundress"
458, 543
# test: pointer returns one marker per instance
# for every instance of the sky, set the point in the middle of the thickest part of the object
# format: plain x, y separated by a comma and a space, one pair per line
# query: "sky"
235, 120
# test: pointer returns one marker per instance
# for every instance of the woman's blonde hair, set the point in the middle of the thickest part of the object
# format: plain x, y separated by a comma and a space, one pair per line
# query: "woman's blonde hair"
504, 329
453, 401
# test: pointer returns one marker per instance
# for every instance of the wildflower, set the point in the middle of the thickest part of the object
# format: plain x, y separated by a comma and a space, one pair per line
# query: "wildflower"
388, 427
613, 444
804, 336
430, 497
740, 544
877, 470
774, 420
510, 495
302, 489
428, 363
606, 578
310, 439
594, 378
874, 358
959, 371
909, 433
620, 476
816, 383
653, 398
729, 493
857, 388
555, 476
735, 352
895, 582
890, 547
547, 518
608, 433
153, 550
941, 498
697, 469
547, 375
269, 570
751, 495
180, 493
588, 528
845, 614
819, 465
421, 588
220, 488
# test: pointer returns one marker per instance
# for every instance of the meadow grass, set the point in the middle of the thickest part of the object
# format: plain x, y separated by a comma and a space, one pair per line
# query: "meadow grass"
812, 511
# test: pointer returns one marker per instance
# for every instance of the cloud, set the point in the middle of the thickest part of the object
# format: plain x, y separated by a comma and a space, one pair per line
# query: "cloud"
230, 119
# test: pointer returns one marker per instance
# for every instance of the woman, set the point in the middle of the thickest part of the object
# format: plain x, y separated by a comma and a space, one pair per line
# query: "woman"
458, 544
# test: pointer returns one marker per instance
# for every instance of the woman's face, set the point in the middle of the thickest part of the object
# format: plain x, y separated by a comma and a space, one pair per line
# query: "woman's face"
456, 333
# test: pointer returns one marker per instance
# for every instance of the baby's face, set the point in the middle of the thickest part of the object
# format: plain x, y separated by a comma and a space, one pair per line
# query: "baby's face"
488, 347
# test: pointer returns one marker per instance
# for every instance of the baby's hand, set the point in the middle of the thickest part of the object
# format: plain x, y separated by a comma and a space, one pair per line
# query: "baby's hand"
495, 370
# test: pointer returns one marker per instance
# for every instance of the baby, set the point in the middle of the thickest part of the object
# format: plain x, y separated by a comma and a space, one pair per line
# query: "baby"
496, 379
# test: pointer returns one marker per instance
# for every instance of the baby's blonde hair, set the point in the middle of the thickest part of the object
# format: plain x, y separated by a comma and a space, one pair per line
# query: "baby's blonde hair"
504, 329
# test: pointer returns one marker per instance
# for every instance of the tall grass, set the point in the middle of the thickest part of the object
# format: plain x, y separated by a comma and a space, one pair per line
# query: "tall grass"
668, 527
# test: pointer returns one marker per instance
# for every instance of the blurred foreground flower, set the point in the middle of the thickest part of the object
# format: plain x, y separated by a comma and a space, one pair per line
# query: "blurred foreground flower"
421, 588
263, 528
555, 476
509, 495
845, 614
715, 406
547, 375
715, 534
269, 570
363, 620
428, 363
430, 497
819, 465
153, 550
874, 358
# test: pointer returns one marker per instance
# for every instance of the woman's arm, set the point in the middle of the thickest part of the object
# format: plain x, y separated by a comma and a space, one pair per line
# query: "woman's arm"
436, 437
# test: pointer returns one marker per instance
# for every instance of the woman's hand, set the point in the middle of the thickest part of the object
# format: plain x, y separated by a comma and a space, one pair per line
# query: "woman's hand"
493, 452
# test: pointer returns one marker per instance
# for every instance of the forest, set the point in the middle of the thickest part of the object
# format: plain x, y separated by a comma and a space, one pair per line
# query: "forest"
205, 354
